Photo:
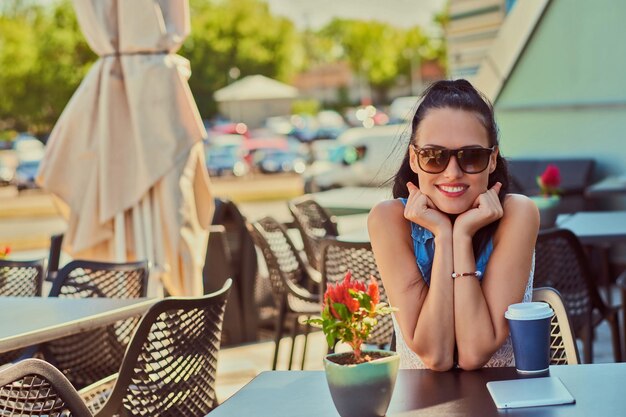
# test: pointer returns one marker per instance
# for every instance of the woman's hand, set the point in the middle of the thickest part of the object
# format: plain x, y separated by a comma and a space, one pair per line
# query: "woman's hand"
486, 209
419, 209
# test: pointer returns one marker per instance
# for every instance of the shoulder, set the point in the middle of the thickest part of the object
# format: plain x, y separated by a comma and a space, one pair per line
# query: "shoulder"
521, 216
518, 205
387, 215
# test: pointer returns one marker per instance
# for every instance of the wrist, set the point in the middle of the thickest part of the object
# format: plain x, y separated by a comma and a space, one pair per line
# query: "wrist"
443, 234
462, 235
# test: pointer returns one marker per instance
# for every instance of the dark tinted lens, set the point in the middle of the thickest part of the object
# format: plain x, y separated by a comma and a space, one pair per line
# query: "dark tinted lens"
433, 160
473, 160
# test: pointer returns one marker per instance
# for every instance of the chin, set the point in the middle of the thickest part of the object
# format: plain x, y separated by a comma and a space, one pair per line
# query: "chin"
453, 208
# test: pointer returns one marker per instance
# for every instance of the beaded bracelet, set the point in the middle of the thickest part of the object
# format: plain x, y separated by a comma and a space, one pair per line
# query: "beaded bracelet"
476, 274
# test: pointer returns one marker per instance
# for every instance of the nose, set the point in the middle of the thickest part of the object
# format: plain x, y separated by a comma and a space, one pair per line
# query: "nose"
453, 170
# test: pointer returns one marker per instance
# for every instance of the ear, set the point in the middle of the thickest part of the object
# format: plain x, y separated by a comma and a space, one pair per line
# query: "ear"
493, 160
413, 160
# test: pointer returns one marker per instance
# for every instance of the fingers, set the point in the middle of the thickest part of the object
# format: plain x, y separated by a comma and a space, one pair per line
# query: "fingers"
411, 187
429, 203
497, 187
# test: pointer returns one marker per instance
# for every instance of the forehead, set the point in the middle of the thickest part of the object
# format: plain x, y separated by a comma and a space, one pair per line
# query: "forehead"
451, 128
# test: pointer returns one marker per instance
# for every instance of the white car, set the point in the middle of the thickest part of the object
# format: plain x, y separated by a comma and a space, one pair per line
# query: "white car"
361, 157
402, 109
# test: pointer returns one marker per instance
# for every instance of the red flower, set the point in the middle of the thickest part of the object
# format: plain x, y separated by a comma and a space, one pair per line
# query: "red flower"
4, 251
362, 306
372, 291
551, 177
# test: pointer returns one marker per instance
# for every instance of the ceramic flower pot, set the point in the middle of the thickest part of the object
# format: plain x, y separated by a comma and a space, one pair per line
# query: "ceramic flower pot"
549, 208
362, 390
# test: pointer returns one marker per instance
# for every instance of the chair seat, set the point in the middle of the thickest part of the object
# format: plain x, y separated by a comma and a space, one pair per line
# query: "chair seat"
300, 306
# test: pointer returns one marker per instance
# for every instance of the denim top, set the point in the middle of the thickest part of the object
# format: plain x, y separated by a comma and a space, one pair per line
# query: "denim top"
424, 249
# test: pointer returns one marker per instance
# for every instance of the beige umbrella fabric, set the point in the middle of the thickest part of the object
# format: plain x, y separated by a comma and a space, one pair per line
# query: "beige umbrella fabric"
125, 158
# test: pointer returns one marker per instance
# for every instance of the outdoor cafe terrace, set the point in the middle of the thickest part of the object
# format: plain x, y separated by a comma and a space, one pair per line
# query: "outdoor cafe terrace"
250, 354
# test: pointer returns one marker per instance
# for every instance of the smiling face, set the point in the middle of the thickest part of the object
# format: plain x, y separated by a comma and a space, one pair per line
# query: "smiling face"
452, 190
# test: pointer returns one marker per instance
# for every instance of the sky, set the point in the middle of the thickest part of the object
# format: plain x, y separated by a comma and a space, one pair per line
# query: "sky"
401, 13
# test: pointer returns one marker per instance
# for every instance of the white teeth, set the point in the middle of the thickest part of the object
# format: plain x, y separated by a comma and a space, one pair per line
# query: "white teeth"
451, 189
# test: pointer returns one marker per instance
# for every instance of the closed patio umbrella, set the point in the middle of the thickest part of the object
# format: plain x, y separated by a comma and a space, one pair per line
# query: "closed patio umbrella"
125, 158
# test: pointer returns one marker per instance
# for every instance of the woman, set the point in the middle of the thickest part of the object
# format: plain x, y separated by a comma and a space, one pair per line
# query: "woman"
454, 250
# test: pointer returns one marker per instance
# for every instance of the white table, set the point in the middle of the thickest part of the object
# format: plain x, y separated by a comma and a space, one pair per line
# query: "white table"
609, 186
596, 227
351, 200
28, 321
597, 388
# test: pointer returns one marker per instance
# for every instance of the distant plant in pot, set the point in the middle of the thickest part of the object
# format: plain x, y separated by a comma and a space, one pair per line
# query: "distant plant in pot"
549, 182
4, 251
361, 382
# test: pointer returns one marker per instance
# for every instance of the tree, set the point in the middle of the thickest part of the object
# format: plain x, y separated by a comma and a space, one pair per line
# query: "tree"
239, 34
43, 57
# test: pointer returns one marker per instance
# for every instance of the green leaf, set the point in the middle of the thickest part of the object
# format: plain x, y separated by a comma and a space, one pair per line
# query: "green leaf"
342, 310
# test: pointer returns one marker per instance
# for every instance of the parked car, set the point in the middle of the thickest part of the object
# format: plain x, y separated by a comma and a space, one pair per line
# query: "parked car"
28, 148
359, 157
6, 173
366, 116
330, 125
402, 109
25, 174
272, 160
226, 160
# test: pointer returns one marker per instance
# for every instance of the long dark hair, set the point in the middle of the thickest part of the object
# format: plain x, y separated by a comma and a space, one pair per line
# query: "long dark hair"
460, 95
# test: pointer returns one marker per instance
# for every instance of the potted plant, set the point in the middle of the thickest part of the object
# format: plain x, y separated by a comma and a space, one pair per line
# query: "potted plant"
548, 203
361, 381
4, 251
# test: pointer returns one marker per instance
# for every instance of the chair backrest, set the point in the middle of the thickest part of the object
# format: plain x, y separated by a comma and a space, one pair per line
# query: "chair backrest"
88, 357
54, 256
21, 278
170, 366
561, 263
314, 224
33, 387
563, 350
281, 256
337, 258
231, 254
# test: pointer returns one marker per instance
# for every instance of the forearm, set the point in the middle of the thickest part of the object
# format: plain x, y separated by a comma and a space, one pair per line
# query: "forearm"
434, 336
476, 338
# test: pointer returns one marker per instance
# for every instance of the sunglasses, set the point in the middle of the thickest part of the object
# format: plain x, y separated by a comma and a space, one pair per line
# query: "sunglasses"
470, 160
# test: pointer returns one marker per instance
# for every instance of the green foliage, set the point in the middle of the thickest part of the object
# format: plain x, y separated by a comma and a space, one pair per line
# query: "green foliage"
43, 57
377, 51
311, 106
350, 312
238, 34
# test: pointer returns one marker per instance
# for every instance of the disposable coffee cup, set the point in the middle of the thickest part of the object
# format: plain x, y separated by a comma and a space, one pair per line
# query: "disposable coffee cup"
530, 333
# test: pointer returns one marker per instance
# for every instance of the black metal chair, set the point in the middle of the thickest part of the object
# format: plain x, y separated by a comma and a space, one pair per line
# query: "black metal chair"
338, 257
314, 224
170, 365
88, 357
563, 350
54, 256
231, 254
561, 263
20, 279
33, 387
289, 279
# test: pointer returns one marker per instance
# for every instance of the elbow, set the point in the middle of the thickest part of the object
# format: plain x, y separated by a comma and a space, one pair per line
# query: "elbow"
470, 361
438, 364
437, 361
